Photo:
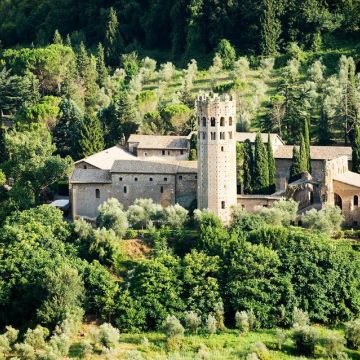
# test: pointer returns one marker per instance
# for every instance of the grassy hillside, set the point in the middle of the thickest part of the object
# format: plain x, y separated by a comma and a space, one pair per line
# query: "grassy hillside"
229, 345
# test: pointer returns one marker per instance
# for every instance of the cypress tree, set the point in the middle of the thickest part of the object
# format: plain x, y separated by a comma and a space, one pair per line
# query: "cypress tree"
295, 169
120, 119
272, 168
113, 39
67, 127
57, 38
248, 167
303, 156
100, 66
307, 144
82, 60
3, 154
68, 41
91, 139
356, 150
261, 167
270, 28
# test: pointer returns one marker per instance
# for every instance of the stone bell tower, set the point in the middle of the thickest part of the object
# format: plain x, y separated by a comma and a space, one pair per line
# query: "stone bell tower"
216, 154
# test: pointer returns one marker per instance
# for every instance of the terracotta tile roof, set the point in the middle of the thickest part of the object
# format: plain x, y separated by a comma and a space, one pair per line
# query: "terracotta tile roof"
349, 177
93, 176
159, 141
242, 136
104, 159
154, 167
316, 152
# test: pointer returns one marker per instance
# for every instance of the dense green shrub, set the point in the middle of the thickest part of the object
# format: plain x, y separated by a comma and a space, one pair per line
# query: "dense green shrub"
352, 334
172, 327
305, 339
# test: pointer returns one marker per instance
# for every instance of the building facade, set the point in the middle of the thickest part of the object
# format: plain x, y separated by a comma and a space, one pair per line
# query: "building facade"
156, 167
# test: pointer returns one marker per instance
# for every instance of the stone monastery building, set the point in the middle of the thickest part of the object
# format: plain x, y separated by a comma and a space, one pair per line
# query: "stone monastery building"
156, 167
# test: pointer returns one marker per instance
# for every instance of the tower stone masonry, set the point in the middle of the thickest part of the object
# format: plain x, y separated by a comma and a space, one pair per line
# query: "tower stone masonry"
216, 190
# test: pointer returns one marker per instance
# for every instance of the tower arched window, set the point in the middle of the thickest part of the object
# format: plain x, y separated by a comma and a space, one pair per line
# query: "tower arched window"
204, 121
230, 121
97, 193
222, 121
356, 200
213, 121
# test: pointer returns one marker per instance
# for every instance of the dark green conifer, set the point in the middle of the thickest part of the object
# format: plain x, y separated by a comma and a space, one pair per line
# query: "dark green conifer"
100, 66
307, 144
3, 154
113, 40
57, 38
272, 168
356, 150
270, 28
261, 167
91, 139
248, 168
68, 41
303, 155
66, 130
295, 169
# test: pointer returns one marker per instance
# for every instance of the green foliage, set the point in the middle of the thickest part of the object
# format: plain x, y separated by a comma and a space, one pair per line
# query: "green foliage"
65, 133
106, 336
192, 321
261, 167
356, 151
352, 334
144, 213
91, 138
248, 167
113, 39
305, 339
272, 168
101, 290
155, 287
270, 27
328, 220
175, 117
172, 327
32, 165
242, 321
282, 213
175, 216
201, 289
111, 216
295, 169
227, 53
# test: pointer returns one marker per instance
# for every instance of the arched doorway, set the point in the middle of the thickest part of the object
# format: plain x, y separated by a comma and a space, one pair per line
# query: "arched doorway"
338, 201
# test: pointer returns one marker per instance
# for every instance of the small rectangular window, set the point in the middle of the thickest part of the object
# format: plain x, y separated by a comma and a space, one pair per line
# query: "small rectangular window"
223, 204
163, 152
204, 135
151, 179
195, 176
120, 179
125, 189
136, 179
145, 154
181, 152
97, 193
161, 189
180, 177
165, 178
169, 152
85, 167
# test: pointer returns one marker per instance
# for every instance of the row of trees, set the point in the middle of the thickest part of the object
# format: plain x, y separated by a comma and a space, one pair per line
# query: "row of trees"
190, 28
258, 166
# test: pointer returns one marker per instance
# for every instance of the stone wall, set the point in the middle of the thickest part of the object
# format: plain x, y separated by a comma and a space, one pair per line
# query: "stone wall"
186, 186
84, 202
163, 153
129, 187
255, 203
84, 165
